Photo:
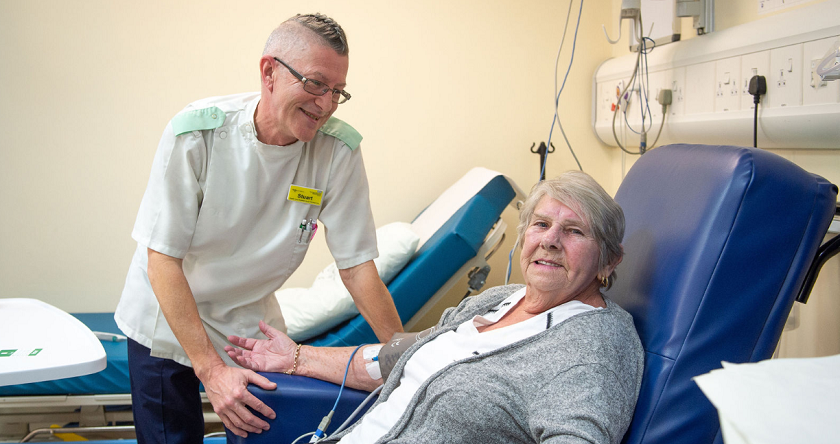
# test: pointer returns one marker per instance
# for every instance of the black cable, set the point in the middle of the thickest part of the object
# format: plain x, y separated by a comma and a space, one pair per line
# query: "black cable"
755, 124
757, 88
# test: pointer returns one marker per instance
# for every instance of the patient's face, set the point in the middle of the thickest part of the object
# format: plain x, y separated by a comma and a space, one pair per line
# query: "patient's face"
559, 256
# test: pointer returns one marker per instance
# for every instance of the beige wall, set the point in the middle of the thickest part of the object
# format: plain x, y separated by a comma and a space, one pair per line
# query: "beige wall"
438, 87
87, 87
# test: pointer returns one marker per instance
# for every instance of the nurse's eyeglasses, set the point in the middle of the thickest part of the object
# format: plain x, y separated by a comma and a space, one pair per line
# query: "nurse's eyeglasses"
316, 87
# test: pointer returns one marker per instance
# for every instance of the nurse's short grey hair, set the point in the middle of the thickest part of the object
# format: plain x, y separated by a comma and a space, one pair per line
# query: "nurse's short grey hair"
327, 29
579, 191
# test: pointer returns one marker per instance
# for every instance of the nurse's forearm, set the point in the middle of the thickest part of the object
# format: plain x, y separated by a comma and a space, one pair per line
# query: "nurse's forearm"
179, 308
372, 299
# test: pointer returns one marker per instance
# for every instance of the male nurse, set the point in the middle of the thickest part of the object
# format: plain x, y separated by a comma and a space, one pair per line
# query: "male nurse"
239, 186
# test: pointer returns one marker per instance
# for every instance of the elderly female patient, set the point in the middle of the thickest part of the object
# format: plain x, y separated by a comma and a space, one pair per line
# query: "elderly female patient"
550, 361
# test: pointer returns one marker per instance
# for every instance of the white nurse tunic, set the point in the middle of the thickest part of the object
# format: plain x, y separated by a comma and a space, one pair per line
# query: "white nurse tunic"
217, 198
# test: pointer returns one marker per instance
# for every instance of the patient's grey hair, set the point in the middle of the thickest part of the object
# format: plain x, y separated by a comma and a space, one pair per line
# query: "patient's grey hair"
288, 35
580, 192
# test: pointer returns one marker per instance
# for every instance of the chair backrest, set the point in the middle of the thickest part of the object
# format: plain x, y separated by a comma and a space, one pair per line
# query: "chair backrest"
717, 244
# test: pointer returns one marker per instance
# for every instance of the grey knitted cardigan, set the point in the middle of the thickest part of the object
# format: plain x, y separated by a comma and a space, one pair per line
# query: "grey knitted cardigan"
576, 382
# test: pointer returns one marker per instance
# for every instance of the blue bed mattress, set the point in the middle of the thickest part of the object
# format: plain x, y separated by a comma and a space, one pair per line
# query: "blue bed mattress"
112, 380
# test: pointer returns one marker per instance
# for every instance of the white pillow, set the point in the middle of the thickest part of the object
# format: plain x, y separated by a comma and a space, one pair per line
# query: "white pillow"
311, 311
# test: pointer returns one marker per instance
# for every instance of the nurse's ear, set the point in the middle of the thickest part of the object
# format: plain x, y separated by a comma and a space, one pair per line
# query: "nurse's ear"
267, 72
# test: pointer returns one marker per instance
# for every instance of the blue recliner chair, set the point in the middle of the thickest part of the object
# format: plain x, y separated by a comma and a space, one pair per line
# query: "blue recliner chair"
718, 243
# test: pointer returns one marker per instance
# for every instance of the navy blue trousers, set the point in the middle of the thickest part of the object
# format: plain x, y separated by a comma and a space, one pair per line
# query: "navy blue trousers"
165, 399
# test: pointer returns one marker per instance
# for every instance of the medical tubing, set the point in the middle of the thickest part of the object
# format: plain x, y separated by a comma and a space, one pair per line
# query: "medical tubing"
642, 79
556, 94
661, 124
556, 117
618, 105
562, 42
352, 416
346, 370
560, 125
325, 422
302, 436
510, 261
563, 85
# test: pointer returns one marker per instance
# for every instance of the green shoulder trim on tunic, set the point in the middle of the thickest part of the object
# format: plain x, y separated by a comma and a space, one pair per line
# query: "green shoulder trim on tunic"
343, 132
198, 120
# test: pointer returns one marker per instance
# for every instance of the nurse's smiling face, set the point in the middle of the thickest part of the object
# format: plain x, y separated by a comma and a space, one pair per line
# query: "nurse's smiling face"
559, 257
287, 113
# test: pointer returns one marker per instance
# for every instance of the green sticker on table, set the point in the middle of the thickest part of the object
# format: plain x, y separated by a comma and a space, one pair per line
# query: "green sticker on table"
35, 352
7, 353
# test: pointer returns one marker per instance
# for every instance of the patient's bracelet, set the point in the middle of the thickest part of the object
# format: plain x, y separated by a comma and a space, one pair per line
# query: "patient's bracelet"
294, 366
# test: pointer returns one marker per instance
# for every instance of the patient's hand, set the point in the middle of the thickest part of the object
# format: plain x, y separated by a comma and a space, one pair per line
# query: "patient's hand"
275, 354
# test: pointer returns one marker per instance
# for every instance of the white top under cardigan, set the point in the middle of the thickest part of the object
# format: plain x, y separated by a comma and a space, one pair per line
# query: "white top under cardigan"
454, 346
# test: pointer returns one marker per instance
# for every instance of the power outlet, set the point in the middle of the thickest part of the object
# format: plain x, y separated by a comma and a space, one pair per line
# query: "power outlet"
727, 93
655, 80
605, 102
784, 86
754, 64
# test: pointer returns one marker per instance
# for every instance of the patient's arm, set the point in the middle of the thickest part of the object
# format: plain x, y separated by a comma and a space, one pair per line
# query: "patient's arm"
277, 353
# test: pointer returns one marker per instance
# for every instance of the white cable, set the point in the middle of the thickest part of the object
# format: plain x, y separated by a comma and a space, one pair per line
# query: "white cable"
350, 418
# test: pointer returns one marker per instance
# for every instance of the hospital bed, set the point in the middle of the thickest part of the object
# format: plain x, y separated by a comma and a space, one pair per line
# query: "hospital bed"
458, 232
719, 241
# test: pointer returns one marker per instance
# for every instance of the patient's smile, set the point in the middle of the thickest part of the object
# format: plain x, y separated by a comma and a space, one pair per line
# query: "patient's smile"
550, 264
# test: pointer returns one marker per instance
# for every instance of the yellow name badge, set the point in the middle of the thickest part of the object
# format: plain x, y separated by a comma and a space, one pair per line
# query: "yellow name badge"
305, 195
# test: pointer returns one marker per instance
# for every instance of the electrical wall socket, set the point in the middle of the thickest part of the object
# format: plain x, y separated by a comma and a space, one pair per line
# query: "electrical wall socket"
727, 92
757, 63
656, 82
784, 86
606, 99
709, 77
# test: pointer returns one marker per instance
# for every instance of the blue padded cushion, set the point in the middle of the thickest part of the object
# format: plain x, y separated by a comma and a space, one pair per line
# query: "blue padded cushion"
207, 440
455, 243
300, 403
112, 380
717, 243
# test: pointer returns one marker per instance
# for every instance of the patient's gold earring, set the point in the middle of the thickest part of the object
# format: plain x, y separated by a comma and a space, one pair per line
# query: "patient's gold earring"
605, 281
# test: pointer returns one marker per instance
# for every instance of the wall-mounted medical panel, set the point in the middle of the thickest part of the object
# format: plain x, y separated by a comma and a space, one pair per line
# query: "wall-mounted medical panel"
709, 77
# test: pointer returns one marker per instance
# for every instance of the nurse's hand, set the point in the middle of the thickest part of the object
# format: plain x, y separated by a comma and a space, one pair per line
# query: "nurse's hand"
226, 388
275, 354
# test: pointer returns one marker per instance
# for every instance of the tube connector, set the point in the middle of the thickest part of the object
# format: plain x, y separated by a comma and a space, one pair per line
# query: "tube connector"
322, 427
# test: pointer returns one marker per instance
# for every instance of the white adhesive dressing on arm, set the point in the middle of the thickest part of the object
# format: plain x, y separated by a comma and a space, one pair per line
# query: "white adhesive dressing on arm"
371, 355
